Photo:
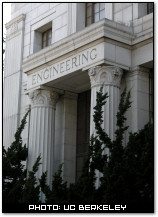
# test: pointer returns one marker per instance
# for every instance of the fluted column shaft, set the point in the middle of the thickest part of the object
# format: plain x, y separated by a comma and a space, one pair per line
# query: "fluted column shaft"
42, 127
109, 77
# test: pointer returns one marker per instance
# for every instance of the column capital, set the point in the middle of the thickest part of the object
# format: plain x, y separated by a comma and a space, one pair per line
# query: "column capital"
106, 75
139, 70
43, 98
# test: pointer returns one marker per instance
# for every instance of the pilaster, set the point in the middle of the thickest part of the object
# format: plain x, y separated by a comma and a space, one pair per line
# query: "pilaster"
42, 130
139, 84
65, 136
12, 78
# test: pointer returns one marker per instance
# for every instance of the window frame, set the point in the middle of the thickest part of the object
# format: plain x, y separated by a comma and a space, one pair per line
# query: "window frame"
93, 13
37, 35
47, 38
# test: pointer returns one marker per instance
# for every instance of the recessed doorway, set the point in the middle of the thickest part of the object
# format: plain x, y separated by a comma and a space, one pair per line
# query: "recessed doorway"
83, 130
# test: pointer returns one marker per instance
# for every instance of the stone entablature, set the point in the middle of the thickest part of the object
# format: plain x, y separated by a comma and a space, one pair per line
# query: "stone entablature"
104, 29
66, 66
104, 42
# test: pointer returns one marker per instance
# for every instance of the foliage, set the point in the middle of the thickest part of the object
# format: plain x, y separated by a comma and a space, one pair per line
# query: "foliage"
17, 187
139, 166
112, 183
127, 172
13, 170
58, 193
31, 189
83, 191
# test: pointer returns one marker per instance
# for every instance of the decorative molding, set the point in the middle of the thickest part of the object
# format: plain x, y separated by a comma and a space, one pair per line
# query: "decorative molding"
106, 75
43, 98
15, 20
103, 28
138, 70
70, 95
13, 27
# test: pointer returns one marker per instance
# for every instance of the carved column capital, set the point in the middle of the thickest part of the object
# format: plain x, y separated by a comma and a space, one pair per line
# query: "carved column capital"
43, 98
139, 70
107, 75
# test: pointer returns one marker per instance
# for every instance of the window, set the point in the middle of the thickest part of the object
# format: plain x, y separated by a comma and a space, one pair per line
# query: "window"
94, 12
42, 37
150, 8
144, 9
46, 38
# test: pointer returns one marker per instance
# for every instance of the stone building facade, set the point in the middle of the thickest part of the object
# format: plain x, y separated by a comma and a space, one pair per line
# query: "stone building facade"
57, 57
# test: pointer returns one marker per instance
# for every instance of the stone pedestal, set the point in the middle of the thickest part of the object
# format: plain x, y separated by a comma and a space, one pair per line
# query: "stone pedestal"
109, 77
41, 133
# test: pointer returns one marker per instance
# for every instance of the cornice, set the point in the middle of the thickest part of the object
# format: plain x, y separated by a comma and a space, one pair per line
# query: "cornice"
95, 33
15, 20
15, 26
138, 71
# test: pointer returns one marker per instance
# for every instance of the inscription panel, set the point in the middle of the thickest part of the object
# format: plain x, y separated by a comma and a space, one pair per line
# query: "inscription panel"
66, 66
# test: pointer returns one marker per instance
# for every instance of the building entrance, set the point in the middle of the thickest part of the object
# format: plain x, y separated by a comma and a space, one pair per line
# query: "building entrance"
83, 130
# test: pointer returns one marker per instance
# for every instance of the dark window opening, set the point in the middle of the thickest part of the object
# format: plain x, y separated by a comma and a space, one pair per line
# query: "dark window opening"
94, 12
150, 8
46, 38
83, 130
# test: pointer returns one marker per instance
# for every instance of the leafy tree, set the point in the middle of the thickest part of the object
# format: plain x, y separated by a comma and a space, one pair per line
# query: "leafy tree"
113, 174
83, 191
128, 171
139, 166
17, 187
13, 172
31, 189
58, 194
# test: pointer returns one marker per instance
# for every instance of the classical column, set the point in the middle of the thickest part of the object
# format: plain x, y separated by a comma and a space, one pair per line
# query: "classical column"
109, 77
42, 127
